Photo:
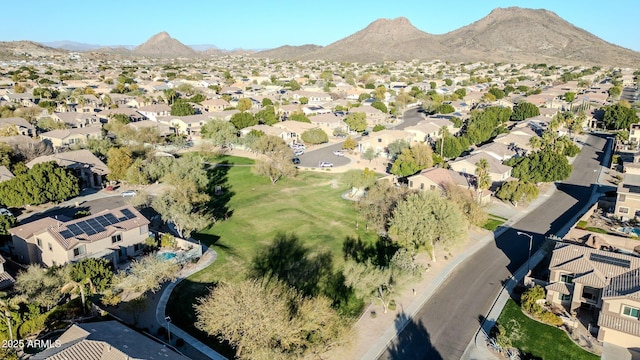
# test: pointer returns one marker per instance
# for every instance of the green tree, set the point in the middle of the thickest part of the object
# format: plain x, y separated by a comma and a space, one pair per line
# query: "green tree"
498, 93
100, 271
294, 85
423, 155
146, 274
244, 104
405, 164
545, 165
380, 106
42, 183
359, 180
118, 161
615, 91
425, 219
378, 204
619, 117
181, 108
278, 162
483, 179
349, 143
461, 92
220, 132
395, 148
517, 191
298, 116
267, 115
444, 109
267, 102
243, 119
379, 127
6, 223
569, 96
380, 92
315, 136
369, 154
42, 286
524, 110
357, 121
467, 203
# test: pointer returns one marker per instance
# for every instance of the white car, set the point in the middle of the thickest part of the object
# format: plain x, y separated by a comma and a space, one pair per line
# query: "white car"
298, 152
325, 164
298, 146
129, 193
5, 212
338, 153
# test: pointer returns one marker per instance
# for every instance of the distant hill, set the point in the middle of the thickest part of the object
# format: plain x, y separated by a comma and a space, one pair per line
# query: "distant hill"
163, 45
19, 49
288, 52
525, 35
505, 35
382, 40
71, 45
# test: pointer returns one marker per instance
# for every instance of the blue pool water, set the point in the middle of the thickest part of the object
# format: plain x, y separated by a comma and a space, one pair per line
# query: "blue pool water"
167, 255
629, 230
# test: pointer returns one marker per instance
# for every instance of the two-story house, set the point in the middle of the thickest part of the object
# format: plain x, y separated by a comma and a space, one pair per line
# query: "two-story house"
115, 235
605, 283
628, 197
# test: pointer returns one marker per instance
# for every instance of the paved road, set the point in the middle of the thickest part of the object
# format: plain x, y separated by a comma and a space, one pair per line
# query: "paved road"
444, 326
325, 153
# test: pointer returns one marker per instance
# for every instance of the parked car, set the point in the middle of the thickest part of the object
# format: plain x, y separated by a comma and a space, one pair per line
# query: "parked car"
338, 153
298, 146
365, 133
325, 164
298, 152
129, 193
295, 161
5, 212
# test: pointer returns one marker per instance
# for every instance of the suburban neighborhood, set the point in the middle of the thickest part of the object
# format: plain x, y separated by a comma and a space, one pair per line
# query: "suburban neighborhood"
164, 202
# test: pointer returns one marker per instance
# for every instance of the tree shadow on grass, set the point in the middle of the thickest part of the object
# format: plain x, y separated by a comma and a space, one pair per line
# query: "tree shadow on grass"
288, 260
220, 190
213, 241
379, 252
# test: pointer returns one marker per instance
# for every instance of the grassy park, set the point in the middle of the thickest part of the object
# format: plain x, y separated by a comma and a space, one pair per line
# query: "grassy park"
254, 212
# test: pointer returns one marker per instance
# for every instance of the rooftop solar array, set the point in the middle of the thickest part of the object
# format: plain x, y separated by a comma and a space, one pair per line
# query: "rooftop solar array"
610, 260
96, 224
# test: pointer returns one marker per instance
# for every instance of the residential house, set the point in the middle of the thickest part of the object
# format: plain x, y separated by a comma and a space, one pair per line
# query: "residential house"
6, 280
294, 129
115, 235
497, 150
88, 168
74, 136
155, 111
329, 122
373, 115
189, 125
268, 130
379, 140
5, 174
163, 129
437, 178
599, 283
211, 105
17, 126
76, 119
106, 340
628, 197
285, 111
106, 115
22, 99
634, 134
313, 98
497, 171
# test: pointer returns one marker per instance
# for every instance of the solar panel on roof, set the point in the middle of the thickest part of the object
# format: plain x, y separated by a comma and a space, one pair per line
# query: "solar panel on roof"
66, 234
103, 221
610, 260
91, 232
111, 218
127, 213
75, 229
94, 223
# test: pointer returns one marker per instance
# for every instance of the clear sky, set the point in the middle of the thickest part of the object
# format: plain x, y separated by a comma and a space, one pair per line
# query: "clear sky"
266, 24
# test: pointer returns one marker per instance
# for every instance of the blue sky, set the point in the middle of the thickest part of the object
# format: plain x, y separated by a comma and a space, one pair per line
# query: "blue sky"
268, 24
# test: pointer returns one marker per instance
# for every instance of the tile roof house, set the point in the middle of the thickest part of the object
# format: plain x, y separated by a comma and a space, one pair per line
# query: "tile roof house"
74, 136
154, 111
586, 279
628, 192
437, 178
76, 119
5, 174
22, 126
211, 105
106, 340
87, 167
115, 235
379, 140
497, 171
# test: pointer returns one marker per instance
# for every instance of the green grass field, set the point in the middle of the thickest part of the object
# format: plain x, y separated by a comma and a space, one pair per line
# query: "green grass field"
493, 222
542, 341
308, 206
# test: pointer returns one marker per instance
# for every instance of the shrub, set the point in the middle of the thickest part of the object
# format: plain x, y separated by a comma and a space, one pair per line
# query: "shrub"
379, 128
167, 240
81, 213
315, 136
582, 224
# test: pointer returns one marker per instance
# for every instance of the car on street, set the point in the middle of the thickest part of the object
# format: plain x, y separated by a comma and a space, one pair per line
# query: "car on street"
338, 153
295, 161
298, 146
325, 164
129, 193
298, 152
365, 133
5, 212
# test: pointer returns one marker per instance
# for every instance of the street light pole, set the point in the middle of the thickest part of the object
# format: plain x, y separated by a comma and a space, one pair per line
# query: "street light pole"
168, 320
530, 243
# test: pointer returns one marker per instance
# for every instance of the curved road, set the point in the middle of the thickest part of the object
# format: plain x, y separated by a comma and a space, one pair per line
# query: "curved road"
447, 322
325, 153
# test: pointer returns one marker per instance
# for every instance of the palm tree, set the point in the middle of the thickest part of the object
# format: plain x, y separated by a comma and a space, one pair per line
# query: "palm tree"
72, 285
483, 179
7, 305
442, 132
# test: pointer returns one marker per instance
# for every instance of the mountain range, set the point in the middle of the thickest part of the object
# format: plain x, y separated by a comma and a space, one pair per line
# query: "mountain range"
505, 35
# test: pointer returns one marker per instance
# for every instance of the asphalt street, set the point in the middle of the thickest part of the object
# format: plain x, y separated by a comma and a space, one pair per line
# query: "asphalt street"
446, 323
312, 157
